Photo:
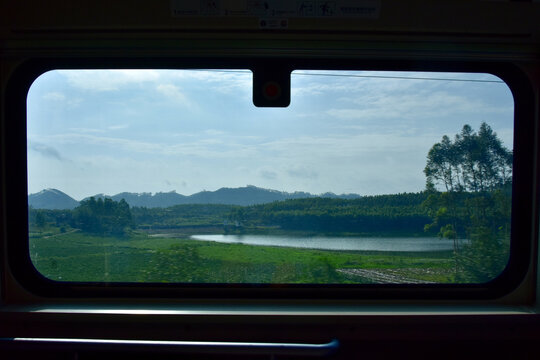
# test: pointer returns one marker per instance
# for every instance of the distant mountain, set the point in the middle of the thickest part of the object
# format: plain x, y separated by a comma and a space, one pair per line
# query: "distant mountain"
341, 196
52, 199
248, 195
147, 199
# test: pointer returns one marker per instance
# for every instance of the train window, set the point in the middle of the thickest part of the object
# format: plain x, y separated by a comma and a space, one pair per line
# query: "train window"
130, 180
174, 176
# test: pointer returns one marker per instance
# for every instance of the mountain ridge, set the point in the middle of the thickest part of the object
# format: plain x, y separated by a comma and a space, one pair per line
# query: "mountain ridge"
243, 196
52, 199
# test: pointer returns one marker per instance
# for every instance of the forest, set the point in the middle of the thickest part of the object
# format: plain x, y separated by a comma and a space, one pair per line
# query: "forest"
402, 214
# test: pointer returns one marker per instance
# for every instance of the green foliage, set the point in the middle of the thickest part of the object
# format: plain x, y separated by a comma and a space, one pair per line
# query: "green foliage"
483, 219
383, 214
40, 220
400, 214
181, 215
43, 219
104, 216
476, 171
138, 258
475, 162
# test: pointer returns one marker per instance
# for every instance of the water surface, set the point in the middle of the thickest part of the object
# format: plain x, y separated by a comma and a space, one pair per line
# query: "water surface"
336, 242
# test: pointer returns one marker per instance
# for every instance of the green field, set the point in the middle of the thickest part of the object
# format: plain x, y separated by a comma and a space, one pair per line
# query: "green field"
137, 257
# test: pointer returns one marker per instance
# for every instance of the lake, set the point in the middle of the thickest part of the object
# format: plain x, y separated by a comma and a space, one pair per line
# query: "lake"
336, 242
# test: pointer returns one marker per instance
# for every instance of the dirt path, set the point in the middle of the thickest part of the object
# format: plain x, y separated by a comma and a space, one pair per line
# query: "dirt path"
386, 276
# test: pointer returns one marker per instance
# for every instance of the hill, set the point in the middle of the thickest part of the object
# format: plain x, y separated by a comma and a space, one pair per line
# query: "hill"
243, 196
160, 199
52, 199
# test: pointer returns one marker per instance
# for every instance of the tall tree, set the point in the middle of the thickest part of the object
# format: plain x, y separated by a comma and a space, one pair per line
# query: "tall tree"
475, 172
474, 162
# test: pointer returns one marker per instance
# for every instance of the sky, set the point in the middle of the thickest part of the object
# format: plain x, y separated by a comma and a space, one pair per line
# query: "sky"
363, 132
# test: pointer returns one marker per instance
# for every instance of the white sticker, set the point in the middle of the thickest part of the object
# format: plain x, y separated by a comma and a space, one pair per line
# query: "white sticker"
265, 9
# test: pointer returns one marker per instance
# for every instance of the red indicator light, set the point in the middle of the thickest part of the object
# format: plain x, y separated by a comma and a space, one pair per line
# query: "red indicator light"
271, 90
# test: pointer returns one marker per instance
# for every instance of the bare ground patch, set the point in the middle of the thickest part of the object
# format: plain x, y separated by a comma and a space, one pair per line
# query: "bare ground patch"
391, 276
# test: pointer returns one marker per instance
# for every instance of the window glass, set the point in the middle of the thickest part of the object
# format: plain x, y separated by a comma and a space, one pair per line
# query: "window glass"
175, 176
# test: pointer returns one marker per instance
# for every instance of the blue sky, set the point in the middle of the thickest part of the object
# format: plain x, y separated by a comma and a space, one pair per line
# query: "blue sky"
99, 131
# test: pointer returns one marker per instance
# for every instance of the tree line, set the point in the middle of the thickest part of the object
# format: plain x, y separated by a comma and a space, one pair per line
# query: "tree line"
383, 214
101, 216
399, 213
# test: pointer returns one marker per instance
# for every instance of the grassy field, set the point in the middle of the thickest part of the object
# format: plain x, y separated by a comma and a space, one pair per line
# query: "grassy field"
74, 256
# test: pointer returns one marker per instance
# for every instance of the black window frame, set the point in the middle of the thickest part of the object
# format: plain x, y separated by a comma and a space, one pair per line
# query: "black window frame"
524, 197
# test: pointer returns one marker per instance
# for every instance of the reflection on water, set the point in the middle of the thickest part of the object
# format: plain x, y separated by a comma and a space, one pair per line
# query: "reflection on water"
337, 243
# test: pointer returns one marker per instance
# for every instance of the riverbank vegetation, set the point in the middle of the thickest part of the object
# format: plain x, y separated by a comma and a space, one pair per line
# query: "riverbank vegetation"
383, 215
141, 258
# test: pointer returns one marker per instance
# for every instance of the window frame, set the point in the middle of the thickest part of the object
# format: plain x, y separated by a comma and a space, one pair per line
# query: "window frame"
524, 197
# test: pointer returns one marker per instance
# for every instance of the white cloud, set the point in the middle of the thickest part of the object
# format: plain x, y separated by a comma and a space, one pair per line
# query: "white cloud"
126, 144
214, 132
174, 93
209, 148
54, 96
118, 127
235, 82
108, 80
215, 76
86, 130
416, 106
